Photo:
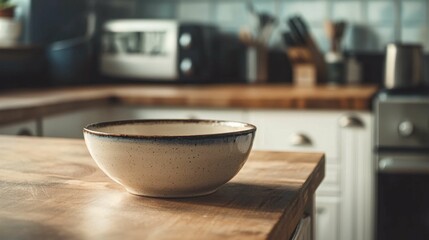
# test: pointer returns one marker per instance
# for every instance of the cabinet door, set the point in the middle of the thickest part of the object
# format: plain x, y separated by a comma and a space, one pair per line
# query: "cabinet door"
326, 218
70, 125
315, 131
28, 128
357, 176
189, 113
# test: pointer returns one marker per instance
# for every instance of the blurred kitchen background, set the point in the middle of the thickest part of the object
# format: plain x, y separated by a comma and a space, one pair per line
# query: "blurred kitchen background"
377, 156
60, 41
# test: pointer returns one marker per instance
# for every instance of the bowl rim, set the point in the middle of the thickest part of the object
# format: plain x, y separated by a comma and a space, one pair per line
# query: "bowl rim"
87, 129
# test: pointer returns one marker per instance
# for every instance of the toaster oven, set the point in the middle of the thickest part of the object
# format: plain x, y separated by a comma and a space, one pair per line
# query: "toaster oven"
158, 50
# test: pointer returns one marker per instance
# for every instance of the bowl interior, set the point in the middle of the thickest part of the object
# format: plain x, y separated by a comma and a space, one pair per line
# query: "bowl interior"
169, 127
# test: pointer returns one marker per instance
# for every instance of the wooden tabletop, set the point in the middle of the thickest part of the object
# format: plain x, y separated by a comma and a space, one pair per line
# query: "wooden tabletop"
52, 189
30, 104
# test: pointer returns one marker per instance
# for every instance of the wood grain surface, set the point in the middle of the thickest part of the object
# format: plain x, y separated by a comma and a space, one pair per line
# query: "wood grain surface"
29, 104
52, 189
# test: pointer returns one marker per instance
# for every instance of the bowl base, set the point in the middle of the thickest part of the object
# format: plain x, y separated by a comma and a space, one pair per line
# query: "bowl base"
175, 195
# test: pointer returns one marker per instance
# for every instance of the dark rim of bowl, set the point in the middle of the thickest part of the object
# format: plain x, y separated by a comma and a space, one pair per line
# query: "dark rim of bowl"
88, 129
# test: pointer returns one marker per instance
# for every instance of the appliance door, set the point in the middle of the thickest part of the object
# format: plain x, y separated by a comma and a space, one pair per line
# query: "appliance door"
402, 122
140, 49
403, 196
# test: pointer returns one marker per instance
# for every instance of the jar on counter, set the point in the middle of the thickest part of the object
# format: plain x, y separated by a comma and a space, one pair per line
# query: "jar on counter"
336, 68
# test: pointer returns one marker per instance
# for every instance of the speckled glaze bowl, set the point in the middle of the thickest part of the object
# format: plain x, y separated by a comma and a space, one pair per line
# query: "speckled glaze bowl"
170, 158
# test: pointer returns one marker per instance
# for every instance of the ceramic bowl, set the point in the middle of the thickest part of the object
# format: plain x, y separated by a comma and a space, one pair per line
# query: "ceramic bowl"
170, 158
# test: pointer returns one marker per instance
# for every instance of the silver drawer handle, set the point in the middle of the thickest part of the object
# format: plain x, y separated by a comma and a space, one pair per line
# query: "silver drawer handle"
192, 117
351, 122
320, 210
299, 139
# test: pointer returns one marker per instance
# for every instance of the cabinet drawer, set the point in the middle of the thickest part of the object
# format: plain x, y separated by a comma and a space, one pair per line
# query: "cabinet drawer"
28, 128
327, 218
191, 113
297, 131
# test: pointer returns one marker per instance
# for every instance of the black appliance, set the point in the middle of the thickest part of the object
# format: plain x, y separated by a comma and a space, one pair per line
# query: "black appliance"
150, 50
157, 50
402, 160
197, 53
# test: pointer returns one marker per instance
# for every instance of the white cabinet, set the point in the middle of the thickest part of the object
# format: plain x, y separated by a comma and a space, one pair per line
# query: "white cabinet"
281, 130
188, 113
312, 131
357, 174
343, 199
327, 217
27, 128
71, 124
344, 204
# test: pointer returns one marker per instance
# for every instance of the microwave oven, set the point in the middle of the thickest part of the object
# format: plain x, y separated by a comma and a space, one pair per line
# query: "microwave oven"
159, 50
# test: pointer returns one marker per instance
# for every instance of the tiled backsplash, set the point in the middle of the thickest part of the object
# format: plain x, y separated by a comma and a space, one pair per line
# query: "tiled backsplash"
371, 23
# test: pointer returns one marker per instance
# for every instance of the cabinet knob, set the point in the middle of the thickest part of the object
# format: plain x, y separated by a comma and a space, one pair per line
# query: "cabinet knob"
185, 40
186, 66
406, 128
299, 139
351, 121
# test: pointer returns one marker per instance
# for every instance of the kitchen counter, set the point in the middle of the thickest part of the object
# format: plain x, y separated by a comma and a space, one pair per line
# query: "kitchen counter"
52, 189
29, 104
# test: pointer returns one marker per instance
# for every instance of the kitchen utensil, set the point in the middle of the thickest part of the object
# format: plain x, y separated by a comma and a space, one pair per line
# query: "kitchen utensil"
330, 32
303, 38
335, 61
264, 26
257, 53
170, 158
301, 26
295, 32
288, 39
246, 37
403, 66
335, 32
267, 23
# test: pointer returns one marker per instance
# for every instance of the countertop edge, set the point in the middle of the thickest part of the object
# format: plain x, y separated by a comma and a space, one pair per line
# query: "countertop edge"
27, 105
308, 195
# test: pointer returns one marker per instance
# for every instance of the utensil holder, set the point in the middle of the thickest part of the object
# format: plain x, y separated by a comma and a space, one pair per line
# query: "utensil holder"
336, 68
257, 63
304, 67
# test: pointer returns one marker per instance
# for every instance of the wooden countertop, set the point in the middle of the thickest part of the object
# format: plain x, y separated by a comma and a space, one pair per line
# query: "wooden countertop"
27, 104
52, 189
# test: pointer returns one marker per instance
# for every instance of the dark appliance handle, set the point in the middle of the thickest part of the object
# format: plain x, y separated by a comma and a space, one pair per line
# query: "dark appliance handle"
402, 165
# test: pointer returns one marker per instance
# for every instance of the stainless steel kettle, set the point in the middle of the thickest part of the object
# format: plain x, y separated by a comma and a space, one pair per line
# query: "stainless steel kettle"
404, 66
